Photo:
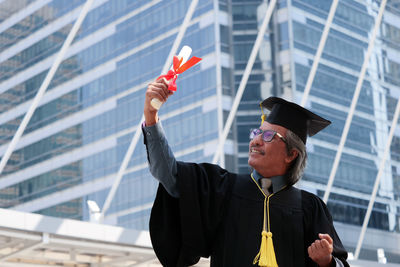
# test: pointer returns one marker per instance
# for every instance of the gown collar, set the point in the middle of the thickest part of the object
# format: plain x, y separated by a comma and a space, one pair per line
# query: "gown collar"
277, 181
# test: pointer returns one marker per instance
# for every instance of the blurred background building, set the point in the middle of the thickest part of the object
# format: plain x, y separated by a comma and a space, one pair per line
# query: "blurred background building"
74, 144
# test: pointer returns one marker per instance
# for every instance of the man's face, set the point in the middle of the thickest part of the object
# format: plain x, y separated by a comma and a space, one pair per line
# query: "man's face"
269, 158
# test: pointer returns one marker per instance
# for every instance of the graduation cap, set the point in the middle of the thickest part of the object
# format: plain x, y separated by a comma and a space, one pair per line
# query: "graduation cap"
299, 120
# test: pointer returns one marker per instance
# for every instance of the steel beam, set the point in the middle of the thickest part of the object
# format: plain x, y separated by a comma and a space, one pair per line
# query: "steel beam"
377, 180
243, 82
354, 101
136, 136
45, 84
321, 47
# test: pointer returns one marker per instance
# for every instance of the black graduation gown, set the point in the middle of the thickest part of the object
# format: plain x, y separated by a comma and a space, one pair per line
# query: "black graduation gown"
220, 214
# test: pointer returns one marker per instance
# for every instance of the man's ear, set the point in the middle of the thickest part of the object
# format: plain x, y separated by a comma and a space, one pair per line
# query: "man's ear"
291, 156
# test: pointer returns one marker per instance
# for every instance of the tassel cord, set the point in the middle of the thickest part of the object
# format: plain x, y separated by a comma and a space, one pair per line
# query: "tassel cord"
266, 255
269, 227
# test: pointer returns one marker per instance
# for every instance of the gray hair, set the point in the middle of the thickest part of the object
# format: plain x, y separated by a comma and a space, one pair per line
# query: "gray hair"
296, 169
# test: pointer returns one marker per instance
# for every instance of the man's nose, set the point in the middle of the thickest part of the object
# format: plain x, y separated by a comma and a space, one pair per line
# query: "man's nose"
257, 140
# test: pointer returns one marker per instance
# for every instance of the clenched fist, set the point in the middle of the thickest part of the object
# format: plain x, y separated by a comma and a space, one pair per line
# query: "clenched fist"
321, 251
157, 89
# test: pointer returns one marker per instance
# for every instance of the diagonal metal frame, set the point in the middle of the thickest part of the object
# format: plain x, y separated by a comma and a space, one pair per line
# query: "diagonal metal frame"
220, 112
390, 138
377, 180
354, 101
135, 138
320, 49
45, 84
244, 80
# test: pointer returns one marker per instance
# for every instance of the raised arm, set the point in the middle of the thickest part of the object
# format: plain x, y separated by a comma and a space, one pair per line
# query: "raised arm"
162, 163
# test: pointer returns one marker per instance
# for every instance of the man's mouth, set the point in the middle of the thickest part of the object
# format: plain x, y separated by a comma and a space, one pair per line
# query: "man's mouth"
253, 150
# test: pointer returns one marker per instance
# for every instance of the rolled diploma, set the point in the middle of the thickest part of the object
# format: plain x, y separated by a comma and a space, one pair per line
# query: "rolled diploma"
185, 54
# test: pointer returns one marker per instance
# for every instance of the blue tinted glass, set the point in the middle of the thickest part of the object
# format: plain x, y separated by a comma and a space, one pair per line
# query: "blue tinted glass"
254, 133
268, 135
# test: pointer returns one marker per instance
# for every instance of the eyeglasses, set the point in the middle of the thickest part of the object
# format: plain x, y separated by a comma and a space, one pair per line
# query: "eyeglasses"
266, 135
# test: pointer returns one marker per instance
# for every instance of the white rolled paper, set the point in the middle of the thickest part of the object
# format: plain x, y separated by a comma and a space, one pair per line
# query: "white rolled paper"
156, 103
184, 54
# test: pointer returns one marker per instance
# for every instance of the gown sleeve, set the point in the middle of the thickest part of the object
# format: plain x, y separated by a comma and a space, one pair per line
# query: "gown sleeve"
317, 219
161, 159
183, 229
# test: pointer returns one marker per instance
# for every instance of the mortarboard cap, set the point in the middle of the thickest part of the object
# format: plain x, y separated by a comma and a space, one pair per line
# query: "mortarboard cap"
299, 120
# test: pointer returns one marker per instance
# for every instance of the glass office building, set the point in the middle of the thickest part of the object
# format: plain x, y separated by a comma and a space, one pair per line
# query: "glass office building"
74, 144
282, 68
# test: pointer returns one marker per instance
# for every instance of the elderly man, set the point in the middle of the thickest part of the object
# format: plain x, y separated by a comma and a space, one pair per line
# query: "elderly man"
203, 210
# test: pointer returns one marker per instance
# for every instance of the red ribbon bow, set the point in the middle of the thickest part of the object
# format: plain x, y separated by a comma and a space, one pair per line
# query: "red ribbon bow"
172, 74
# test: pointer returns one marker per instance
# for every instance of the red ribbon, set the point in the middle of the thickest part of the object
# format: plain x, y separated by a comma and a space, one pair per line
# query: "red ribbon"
172, 74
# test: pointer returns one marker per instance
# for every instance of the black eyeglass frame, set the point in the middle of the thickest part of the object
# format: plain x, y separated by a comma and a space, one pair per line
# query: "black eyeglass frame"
256, 132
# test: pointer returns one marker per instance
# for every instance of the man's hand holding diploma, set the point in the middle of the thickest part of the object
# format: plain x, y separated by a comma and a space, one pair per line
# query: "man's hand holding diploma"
180, 64
159, 90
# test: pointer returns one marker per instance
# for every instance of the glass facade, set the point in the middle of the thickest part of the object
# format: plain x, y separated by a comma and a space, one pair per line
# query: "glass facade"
331, 95
282, 68
74, 144
79, 134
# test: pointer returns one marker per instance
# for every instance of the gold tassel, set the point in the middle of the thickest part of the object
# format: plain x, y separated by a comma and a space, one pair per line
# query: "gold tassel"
266, 256
263, 117
270, 257
263, 250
